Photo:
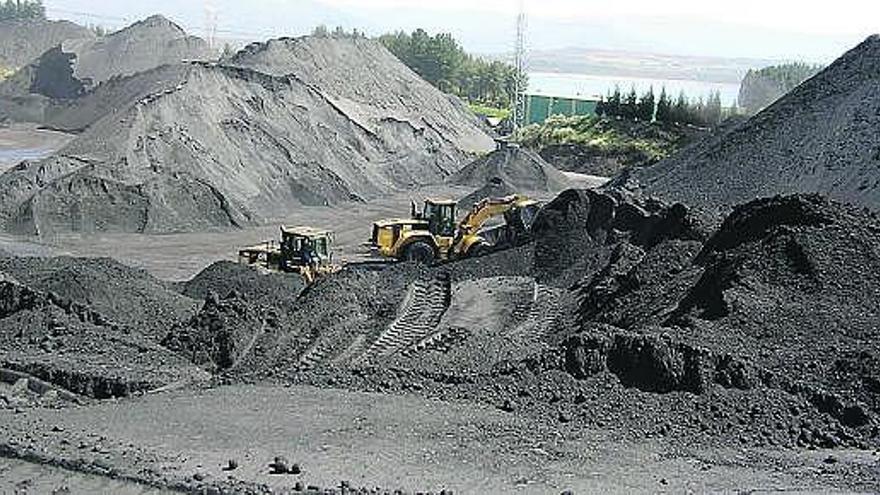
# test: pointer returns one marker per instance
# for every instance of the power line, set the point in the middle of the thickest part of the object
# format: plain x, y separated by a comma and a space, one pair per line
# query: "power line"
519, 97
190, 29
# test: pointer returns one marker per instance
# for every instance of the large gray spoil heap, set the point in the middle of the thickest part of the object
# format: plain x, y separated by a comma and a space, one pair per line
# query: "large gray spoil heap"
822, 137
21, 41
199, 146
77, 65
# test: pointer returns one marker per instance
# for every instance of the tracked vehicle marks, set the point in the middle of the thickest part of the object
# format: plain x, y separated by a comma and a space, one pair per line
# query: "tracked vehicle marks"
422, 309
537, 320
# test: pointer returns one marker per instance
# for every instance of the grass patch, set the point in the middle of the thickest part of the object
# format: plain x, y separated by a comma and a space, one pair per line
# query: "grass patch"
491, 112
652, 140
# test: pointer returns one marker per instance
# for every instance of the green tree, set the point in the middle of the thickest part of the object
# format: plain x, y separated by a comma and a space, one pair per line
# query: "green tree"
630, 109
664, 107
22, 10
645, 111
321, 31
681, 110
615, 103
713, 110
441, 60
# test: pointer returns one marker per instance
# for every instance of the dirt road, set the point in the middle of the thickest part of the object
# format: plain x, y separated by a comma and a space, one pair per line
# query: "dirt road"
382, 440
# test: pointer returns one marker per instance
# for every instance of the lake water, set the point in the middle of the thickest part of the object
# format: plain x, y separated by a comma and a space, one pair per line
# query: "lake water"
13, 156
587, 86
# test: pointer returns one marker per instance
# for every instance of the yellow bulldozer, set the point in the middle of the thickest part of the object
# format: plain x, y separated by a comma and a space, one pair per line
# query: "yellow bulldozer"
433, 234
303, 250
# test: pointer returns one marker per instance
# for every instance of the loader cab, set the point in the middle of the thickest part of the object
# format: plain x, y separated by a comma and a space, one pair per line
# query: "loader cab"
440, 215
305, 246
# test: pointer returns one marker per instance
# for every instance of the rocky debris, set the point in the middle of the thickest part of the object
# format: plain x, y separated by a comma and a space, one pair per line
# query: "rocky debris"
220, 334
795, 145
514, 167
225, 146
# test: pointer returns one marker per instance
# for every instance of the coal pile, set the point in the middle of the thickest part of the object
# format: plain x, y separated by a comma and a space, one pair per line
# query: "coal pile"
760, 308
21, 41
819, 138
224, 277
205, 146
90, 327
515, 167
126, 296
73, 67
495, 188
79, 350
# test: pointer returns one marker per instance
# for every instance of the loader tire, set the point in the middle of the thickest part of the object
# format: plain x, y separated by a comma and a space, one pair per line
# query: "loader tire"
478, 249
420, 252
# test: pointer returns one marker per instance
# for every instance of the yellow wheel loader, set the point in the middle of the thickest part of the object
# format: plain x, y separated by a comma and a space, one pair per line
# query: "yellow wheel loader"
303, 250
433, 234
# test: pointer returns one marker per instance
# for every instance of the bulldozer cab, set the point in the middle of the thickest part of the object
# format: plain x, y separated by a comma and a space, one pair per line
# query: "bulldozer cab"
305, 247
440, 215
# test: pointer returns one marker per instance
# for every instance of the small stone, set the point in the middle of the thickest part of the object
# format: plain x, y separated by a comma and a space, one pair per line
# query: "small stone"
830, 460
508, 406
199, 477
295, 469
279, 466
663, 481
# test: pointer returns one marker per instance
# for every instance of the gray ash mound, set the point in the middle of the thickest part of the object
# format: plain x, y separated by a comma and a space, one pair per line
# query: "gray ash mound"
75, 66
204, 146
495, 188
822, 137
517, 167
21, 41
376, 91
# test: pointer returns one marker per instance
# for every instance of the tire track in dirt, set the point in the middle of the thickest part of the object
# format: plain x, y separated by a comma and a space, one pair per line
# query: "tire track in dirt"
420, 314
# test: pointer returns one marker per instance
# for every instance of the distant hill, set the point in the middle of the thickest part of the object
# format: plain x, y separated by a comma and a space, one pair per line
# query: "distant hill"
762, 87
641, 65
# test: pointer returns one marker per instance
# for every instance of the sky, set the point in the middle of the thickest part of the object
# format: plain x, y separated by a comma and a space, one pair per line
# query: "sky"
812, 31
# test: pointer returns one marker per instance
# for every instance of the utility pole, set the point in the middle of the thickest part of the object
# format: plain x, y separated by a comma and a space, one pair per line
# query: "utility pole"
210, 24
518, 112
